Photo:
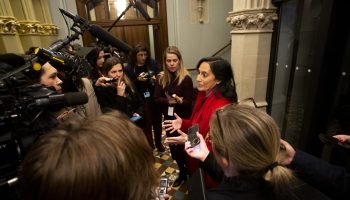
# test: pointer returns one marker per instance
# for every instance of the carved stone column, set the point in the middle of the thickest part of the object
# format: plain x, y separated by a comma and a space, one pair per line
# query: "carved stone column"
49, 31
26, 27
252, 23
9, 40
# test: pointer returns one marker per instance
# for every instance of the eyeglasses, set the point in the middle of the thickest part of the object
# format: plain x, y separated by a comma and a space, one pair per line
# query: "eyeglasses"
244, 101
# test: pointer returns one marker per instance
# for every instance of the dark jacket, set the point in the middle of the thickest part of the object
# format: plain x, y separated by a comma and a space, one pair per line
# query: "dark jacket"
245, 187
143, 86
108, 98
330, 179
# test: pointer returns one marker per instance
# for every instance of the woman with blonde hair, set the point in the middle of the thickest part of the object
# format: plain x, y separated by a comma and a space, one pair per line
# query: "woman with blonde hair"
103, 158
173, 92
247, 157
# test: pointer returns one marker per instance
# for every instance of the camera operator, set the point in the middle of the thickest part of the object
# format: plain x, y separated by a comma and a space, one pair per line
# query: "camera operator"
22, 122
49, 77
103, 158
78, 80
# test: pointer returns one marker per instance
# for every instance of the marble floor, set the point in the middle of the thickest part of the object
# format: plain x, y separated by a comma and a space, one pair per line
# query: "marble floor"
166, 166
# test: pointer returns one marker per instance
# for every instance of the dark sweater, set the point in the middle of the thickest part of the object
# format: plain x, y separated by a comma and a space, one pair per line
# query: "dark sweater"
185, 90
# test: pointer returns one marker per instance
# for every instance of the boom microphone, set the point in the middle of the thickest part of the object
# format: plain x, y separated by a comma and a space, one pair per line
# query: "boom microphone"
103, 35
138, 6
66, 99
98, 32
75, 18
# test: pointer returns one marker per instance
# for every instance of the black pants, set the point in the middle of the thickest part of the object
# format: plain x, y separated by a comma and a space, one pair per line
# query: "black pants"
152, 118
177, 151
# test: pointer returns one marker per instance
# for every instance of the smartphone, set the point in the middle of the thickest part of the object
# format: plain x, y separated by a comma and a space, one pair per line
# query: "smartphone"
110, 80
192, 137
135, 118
163, 185
329, 139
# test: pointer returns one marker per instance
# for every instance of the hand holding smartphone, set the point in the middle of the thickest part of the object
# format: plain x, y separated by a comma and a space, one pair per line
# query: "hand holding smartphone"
163, 185
135, 118
329, 139
192, 137
110, 80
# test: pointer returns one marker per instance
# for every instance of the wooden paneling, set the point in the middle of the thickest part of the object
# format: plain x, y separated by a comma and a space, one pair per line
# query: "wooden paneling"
131, 31
136, 34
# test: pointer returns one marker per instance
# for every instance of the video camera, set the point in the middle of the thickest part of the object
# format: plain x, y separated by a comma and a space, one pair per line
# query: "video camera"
26, 110
75, 67
27, 107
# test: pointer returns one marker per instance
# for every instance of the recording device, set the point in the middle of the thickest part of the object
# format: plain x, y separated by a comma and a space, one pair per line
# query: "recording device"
192, 137
329, 139
135, 118
106, 37
110, 80
149, 74
26, 108
136, 4
163, 186
66, 99
98, 32
75, 67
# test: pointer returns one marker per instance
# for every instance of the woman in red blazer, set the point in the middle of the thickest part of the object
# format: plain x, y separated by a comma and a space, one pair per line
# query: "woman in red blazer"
216, 88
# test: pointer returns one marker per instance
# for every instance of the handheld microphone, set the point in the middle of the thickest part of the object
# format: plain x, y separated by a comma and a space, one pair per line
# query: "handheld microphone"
66, 99
103, 35
138, 6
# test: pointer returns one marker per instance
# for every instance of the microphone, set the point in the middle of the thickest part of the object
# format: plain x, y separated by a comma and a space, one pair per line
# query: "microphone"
66, 99
138, 6
103, 35
98, 32
75, 18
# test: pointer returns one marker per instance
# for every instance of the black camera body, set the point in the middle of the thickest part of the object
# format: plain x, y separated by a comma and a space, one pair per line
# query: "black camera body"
27, 108
149, 75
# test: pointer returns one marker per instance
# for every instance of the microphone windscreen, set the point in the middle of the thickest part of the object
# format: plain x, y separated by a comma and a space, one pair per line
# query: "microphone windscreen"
103, 35
75, 98
139, 7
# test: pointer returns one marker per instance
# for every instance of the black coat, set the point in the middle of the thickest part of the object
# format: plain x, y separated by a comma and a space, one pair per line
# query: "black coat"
252, 188
330, 179
108, 98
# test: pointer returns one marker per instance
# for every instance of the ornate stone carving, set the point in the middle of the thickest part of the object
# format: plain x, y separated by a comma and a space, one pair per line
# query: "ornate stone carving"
30, 28
8, 25
252, 20
50, 29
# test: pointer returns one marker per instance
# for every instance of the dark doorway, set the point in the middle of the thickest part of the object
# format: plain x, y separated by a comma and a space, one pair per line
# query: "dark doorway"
309, 87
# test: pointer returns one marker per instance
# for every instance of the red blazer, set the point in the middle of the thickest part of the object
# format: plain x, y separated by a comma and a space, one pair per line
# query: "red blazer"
202, 112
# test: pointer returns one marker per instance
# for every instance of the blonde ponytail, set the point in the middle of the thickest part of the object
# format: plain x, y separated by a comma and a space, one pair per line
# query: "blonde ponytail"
279, 177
